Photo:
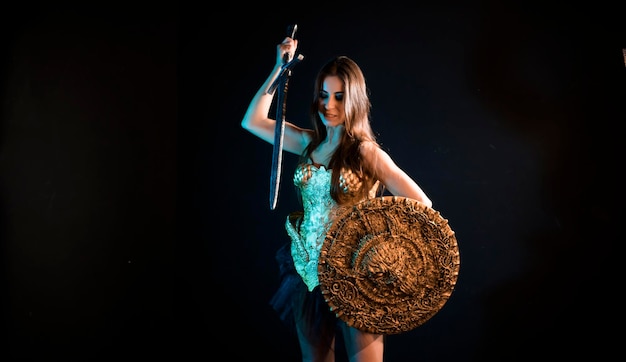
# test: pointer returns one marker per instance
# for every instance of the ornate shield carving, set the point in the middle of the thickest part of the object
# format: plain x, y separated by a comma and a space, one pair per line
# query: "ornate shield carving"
388, 264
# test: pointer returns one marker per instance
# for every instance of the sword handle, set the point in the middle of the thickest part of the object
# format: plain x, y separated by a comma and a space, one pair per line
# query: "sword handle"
291, 32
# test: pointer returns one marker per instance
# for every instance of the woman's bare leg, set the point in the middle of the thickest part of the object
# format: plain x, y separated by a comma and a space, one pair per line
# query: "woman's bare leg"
362, 346
315, 349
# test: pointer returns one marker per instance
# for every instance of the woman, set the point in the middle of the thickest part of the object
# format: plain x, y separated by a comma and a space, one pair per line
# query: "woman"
340, 164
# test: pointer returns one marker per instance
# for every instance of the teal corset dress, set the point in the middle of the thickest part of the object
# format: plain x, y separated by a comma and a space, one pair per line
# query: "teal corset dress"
308, 230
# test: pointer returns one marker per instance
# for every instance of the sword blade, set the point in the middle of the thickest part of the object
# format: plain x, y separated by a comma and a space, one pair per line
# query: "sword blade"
277, 160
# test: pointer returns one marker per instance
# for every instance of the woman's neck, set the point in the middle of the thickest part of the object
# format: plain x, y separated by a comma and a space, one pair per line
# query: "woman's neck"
333, 134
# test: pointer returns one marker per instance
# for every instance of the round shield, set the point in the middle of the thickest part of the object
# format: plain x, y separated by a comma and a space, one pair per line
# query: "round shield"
388, 264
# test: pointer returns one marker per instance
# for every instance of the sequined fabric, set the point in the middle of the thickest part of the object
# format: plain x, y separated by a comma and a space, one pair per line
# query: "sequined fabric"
308, 232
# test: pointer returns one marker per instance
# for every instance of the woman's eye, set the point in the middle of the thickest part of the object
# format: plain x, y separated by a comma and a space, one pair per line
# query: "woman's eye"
323, 95
339, 96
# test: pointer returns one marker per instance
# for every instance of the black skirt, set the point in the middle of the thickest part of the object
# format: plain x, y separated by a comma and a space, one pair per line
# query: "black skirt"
295, 304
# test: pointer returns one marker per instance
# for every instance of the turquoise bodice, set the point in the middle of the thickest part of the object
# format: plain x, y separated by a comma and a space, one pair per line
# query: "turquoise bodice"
319, 210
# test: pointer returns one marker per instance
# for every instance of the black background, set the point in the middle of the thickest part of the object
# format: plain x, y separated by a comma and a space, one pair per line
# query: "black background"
135, 219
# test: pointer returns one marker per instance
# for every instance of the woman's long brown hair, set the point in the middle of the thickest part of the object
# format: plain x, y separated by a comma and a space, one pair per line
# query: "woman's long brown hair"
357, 127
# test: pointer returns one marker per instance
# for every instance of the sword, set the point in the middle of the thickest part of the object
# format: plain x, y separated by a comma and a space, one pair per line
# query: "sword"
279, 130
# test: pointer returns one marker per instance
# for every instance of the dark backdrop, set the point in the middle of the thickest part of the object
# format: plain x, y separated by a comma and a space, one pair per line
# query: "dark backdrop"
135, 218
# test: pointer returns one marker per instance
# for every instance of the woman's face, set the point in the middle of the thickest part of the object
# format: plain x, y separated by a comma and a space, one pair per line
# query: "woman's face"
331, 105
